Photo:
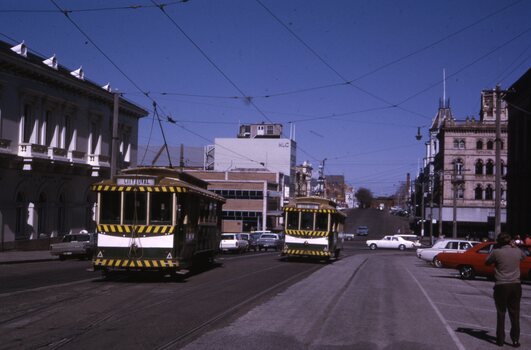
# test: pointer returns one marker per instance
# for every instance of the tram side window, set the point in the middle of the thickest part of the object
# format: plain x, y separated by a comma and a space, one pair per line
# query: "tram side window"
293, 220
161, 208
321, 222
110, 208
135, 208
306, 221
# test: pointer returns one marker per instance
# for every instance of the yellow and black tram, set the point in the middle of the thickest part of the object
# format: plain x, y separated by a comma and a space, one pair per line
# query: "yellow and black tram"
155, 219
312, 226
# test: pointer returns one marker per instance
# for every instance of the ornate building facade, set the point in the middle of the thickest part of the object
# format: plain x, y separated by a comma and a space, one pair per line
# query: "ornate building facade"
55, 140
460, 169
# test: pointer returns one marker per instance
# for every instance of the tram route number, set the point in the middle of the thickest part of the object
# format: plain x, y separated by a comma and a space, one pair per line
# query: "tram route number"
124, 181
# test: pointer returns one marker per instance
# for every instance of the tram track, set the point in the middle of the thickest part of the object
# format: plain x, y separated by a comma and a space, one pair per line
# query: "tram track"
141, 304
175, 342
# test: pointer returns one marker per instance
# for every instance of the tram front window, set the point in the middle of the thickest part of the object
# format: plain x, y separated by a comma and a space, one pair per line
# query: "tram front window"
306, 221
161, 208
293, 220
135, 208
321, 222
110, 208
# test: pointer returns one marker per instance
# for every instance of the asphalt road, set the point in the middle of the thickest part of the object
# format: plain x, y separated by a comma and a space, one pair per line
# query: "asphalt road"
383, 299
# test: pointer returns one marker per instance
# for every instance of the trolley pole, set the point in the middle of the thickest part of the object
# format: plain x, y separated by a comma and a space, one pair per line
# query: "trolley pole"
114, 143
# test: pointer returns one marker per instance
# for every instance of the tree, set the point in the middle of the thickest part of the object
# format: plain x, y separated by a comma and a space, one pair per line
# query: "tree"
364, 197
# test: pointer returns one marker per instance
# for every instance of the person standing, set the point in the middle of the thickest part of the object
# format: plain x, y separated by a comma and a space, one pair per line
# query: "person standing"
507, 287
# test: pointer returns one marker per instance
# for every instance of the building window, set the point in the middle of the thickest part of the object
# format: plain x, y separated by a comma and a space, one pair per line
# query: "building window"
27, 124
489, 193
461, 144
479, 167
61, 216
478, 192
21, 217
489, 167
479, 144
490, 144
458, 166
456, 144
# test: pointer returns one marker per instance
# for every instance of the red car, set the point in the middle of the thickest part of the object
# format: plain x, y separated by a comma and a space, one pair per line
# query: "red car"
471, 263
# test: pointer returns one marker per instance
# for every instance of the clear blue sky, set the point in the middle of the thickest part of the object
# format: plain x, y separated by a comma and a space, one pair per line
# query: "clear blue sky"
199, 55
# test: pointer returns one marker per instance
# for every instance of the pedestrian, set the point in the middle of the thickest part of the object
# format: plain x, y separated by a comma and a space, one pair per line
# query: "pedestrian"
507, 287
517, 240
527, 240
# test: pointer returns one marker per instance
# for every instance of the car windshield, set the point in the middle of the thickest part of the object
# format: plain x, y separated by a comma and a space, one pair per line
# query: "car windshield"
268, 236
227, 237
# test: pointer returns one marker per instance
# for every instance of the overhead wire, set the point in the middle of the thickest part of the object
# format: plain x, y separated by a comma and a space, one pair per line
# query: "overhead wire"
247, 98
95, 9
145, 93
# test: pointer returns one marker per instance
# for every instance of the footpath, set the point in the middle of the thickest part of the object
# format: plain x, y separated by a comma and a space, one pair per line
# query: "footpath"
19, 256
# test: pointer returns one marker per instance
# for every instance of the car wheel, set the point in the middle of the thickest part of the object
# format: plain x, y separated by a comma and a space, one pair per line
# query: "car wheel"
402, 247
467, 272
437, 263
373, 246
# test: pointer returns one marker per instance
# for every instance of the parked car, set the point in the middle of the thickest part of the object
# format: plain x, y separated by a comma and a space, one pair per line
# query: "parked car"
362, 230
76, 245
446, 246
412, 238
269, 241
348, 236
471, 263
252, 239
393, 242
233, 242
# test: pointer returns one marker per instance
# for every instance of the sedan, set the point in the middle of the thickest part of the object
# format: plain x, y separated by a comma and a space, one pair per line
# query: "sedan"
393, 242
446, 246
233, 242
472, 262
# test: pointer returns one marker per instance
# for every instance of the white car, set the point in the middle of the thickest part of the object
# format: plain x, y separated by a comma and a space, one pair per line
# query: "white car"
233, 242
392, 242
446, 246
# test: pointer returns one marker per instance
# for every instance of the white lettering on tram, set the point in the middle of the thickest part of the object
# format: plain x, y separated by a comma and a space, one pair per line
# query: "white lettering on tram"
134, 181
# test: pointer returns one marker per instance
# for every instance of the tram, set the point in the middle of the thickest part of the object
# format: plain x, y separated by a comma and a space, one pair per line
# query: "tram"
312, 226
155, 219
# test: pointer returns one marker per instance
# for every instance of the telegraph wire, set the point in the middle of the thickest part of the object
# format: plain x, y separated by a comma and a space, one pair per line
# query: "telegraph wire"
480, 58
335, 71
145, 93
248, 99
97, 9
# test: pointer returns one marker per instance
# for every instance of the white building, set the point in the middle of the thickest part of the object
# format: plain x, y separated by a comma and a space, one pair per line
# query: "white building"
258, 146
55, 141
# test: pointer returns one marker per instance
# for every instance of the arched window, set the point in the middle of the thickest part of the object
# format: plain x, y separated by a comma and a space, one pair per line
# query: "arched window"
479, 144
490, 144
21, 217
478, 192
456, 143
503, 168
461, 144
61, 216
501, 144
41, 214
489, 193
479, 167
461, 191
458, 166
489, 167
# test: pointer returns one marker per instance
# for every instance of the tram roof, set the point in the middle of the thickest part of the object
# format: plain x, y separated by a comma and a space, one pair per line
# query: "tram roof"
155, 179
317, 204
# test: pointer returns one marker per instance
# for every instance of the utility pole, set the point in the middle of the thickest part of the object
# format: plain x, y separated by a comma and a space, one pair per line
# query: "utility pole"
422, 215
497, 184
432, 189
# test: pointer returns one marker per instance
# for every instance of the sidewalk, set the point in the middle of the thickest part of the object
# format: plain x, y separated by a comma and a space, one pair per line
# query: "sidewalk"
18, 256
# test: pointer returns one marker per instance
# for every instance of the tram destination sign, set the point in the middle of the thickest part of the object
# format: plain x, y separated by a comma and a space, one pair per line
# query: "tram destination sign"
135, 181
